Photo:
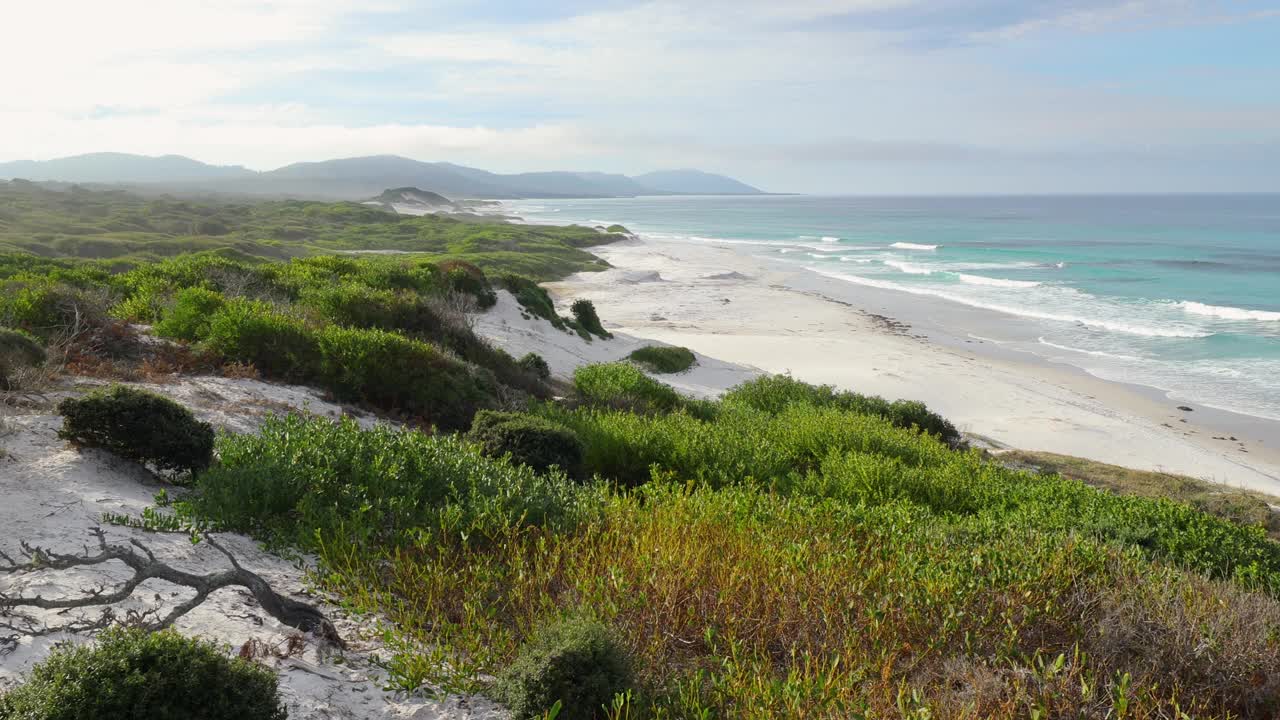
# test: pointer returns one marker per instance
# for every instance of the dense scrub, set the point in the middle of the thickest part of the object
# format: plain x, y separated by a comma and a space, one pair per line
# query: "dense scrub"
575, 665
139, 674
663, 359
773, 393
391, 333
529, 440
123, 227
138, 425
790, 559
19, 351
312, 481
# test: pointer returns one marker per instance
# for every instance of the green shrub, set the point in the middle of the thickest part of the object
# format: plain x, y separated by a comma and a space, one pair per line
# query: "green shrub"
536, 364
18, 350
131, 673
624, 386
530, 440
395, 372
138, 425
575, 662
301, 479
661, 359
584, 312
532, 297
193, 311
615, 228
464, 277
278, 345
773, 393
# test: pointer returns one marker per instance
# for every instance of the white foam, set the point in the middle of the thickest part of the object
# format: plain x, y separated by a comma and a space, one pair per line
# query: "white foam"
908, 267
829, 239
912, 246
1229, 313
1131, 329
996, 282
859, 260
1096, 353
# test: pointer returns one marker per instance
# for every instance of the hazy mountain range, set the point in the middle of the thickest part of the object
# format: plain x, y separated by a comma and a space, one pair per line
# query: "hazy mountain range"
360, 177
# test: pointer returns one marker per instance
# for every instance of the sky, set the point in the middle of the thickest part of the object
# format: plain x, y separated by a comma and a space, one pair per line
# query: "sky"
818, 96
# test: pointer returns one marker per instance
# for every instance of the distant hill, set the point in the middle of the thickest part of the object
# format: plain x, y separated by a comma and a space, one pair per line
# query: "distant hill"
121, 168
361, 177
694, 182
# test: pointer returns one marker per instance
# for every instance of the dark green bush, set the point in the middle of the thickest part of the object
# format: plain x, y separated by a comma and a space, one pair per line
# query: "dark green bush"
584, 312
193, 311
530, 440
662, 359
623, 386
395, 372
773, 393
532, 297
138, 425
464, 277
575, 662
17, 350
278, 345
536, 364
131, 673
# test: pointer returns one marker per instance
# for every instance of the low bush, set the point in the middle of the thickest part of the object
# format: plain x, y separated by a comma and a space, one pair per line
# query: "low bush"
18, 350
131, 673
464, 277
575, 662
532, 297
138, 425
278, 345
660, 359
530, 440
584, 312
773, 393
623, 386
535, 364
190, 317
301, 479
395, 372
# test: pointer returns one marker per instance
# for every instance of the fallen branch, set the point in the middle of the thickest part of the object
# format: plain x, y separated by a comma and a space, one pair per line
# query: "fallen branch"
145, 566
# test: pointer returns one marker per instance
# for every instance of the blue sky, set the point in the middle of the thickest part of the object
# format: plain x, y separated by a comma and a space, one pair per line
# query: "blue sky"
863, 96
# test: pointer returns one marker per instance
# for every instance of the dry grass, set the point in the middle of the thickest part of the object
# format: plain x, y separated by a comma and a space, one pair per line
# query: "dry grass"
1241, 506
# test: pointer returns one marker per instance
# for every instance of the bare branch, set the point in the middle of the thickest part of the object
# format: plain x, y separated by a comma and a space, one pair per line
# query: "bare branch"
145, 566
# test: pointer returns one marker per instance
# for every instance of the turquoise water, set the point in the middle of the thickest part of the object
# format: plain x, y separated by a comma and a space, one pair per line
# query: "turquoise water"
1180, 293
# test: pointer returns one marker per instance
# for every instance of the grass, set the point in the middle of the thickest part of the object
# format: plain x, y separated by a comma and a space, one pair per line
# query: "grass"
663, 359
1240, 506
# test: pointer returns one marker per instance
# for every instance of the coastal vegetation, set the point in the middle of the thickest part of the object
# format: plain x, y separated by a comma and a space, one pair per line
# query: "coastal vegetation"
785, 550
663, 359
131, 673
138, 425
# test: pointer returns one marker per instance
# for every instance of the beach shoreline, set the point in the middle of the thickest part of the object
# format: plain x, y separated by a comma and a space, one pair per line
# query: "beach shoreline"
743, 309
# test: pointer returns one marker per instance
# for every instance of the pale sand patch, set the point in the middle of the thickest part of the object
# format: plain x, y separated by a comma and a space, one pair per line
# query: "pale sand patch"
716, 301
53, 495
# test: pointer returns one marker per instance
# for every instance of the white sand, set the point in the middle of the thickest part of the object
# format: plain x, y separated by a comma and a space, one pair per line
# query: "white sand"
53, 495
725, 304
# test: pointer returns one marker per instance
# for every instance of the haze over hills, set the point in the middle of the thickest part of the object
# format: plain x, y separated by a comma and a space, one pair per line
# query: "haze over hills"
360, 177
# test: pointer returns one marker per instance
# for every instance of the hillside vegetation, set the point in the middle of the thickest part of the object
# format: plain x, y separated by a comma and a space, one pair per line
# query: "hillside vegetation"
123, 227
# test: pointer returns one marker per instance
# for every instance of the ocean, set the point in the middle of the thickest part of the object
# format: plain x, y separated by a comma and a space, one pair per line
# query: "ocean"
1178, 293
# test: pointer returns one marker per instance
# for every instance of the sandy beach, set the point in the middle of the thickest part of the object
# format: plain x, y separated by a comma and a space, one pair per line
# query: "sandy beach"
746, 311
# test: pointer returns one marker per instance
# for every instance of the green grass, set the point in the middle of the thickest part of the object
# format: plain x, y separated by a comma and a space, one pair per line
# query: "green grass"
1240, 506
663, 359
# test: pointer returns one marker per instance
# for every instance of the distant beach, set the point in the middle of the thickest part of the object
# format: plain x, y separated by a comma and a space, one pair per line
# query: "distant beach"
781, 317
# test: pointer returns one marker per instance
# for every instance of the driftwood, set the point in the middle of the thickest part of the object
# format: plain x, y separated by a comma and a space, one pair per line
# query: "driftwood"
145, 566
